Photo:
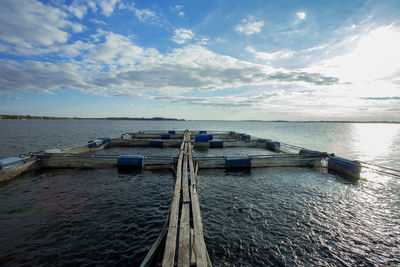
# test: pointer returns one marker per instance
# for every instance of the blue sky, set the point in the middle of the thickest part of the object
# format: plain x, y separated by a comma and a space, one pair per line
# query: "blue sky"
233, 60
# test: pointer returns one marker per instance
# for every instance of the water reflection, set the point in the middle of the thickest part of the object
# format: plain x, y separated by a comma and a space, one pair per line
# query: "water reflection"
374, 142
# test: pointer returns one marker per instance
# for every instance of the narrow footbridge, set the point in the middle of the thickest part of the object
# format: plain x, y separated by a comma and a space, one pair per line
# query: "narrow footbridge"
183, 231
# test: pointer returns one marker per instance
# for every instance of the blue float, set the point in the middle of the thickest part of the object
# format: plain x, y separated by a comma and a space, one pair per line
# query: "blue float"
107, 140
156, 143
131, 161
171, 132
237, 161
216, 144
95, 143
165, 136
347, 168
201, 138
273, 146
202, 132
11, 162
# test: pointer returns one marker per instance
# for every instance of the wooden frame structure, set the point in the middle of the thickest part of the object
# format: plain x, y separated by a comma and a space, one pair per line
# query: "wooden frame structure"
181, 242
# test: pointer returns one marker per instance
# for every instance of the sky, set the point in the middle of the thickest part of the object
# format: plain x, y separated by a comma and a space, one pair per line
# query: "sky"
222, 60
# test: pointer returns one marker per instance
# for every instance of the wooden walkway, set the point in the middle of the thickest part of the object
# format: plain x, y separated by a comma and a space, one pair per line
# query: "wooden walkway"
185, 244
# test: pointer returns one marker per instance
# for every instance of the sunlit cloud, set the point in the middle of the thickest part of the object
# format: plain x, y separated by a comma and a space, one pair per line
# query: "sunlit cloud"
270, 56
107, 6
144, 14
301, 15
34, 24
181, 35
249, 26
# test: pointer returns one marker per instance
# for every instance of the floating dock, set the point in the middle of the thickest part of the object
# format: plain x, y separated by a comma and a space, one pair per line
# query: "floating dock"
181, 242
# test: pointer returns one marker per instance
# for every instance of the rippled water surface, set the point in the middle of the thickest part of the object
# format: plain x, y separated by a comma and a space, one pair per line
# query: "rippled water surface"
75, 217
262, 217
298, 217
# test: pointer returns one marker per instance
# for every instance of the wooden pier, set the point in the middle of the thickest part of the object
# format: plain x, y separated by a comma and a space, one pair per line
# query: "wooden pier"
183, 232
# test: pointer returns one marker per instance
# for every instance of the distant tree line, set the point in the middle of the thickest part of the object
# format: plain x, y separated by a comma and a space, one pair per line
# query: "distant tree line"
29, 117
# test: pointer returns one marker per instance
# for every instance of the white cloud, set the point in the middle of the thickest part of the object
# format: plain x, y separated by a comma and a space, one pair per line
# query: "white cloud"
118, 50
367, 62
178, 9
282, 54
43, 77
181, 35
301, 15
79, 10
108, 6
249, 26
116, 67
96, 21
33, 24
144, 14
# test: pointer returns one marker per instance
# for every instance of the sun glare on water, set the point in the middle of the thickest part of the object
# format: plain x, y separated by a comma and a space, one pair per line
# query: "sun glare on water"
374, 141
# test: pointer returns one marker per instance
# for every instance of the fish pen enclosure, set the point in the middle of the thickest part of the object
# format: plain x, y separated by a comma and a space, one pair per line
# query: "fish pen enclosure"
181, 241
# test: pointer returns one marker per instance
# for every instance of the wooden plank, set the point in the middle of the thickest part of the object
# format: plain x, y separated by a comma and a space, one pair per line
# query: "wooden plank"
185, 185
169, 251
192, 254
199, 244
184, 237
193, 172
170, 244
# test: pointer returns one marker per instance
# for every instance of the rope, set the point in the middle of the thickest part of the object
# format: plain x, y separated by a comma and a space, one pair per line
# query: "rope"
382, 167
379, 171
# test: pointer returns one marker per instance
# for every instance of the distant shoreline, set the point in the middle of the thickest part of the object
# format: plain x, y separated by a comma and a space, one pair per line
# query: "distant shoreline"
29, 117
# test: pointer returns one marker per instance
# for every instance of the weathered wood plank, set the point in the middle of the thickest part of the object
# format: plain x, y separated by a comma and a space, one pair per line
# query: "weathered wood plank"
192, 254
199, 244
184, 236
169, 251
170, 244
185, 185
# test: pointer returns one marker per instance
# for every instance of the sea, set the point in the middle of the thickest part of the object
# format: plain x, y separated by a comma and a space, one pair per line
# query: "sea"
263, 217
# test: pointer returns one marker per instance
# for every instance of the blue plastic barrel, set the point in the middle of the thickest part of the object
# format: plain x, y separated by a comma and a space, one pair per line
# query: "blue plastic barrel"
95, 143
131, 161
273, 146
216, 144
346, 168
165, 136
107, 140
237, 161
201, 138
